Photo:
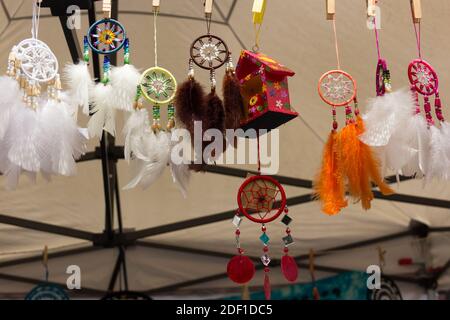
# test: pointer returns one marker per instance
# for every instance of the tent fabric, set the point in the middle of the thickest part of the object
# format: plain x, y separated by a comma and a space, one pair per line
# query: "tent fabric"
297, 35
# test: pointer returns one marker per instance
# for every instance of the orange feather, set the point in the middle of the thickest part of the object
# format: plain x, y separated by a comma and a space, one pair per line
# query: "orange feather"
329, 185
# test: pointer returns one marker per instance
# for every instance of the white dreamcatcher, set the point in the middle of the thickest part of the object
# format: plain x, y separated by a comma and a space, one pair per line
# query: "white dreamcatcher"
37, 130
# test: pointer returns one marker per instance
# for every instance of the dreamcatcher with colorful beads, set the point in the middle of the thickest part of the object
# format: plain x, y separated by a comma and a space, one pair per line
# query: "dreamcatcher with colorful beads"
148, 148
117, 87
387, 115
261, 199
347, 163
38, 131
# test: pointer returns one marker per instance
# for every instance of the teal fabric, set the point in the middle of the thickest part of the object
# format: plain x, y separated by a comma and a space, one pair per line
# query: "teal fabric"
345, 286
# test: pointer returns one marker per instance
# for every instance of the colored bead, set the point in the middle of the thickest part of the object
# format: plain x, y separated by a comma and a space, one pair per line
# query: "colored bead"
240, 251
286, 250
288, 231
286, 210
263, 228
266, 269
238, 232
264, 238
286, 220
265, 248
335, 125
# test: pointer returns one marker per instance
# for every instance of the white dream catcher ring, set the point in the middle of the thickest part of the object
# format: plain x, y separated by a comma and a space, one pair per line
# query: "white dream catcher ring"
25, 44
39, 63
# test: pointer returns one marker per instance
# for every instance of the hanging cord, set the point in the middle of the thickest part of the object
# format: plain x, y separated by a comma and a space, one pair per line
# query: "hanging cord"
155, 15
259, 154
417, 33
208, 17
377, 39
257, 29
35, 19
336, 45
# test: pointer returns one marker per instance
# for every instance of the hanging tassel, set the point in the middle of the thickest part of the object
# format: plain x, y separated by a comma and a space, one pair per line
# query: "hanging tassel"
439, 160
152, 156
180, 171
370, 162
103, 114
232, 100
267, 288
80, 84
134, 129
315, 292
124, 80
418, 138
329, 184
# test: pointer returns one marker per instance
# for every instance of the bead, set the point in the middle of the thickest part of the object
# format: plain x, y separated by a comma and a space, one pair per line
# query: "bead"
265, 248
286, 210
288, 231
266, 269
240, 251
263, 228
238, 232
335, 125
286, 250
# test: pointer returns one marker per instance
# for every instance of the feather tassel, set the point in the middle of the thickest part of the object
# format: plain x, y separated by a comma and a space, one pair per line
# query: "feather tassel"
135, 127
104, 116
190, 104
80, 84
180, 171
329, 185
124, 80
232, 101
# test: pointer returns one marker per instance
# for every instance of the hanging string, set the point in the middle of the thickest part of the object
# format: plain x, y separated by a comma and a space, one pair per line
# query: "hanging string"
377, 37
155, 15
259, 154
257, 29
208, 22
35, 19
336, 45
417, 32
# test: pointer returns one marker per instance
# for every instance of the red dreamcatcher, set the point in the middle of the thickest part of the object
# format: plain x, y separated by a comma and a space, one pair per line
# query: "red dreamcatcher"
261, 199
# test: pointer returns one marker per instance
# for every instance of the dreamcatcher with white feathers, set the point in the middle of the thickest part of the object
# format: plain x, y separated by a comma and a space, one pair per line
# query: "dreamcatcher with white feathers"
38, 132
117, 87
148, 147
409, 143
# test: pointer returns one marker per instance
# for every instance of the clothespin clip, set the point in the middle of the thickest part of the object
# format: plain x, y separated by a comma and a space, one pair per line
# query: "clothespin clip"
371, 8
208, 8
106, 8
416, 10
45, 261
331, 9
155, 4
259, 8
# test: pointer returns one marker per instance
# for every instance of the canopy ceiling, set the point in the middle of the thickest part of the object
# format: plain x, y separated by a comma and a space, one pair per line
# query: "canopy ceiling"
298, 35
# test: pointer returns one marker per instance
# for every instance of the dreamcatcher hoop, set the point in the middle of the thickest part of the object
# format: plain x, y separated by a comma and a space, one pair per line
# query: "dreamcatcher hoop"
423, 77
106, 36
211, 50
39, 63
337, 88
260, 199
26, 43
158, 85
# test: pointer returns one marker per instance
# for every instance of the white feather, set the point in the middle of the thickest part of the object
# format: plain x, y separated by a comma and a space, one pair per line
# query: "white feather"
124, 80
104, 116
417, 136
439, 162
10, 90
151, 158
180, 171
385, 115
80, 84
135, 127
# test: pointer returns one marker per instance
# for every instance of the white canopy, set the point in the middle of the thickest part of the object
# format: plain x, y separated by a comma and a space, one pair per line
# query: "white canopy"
179, 255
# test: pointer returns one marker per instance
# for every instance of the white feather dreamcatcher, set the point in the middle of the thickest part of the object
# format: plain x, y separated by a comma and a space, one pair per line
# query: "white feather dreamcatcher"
37, 132
124, 80
103, 114
80, 84
149, 148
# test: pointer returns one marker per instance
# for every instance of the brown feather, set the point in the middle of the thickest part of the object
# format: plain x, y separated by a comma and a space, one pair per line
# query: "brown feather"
232, 101
189, 103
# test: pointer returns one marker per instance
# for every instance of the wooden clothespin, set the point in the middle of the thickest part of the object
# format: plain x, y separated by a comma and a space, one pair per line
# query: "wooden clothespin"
258, 9
155, 4
331, 9
208, 8
106, 8
371, 8
416, 10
